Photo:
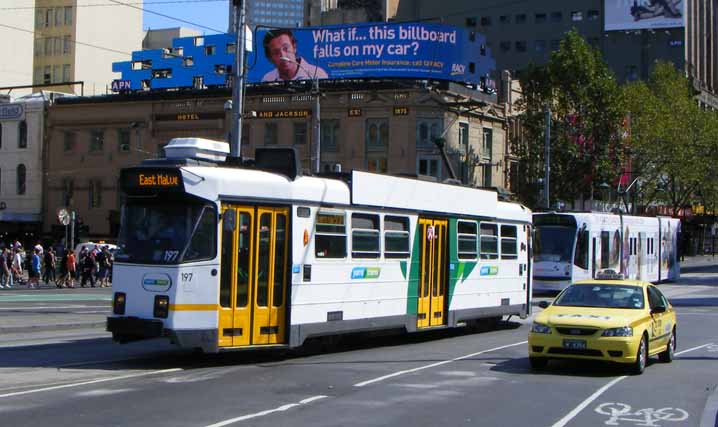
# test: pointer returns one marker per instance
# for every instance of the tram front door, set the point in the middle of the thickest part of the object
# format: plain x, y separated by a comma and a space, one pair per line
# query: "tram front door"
253, 267
432, 276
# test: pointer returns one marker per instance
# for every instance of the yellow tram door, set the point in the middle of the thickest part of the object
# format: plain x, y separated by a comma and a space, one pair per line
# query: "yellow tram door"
235, 292
432, 275
270, 276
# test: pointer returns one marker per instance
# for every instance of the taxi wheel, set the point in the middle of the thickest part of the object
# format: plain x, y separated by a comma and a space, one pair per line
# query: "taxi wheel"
641, 358
667, 355
538, 363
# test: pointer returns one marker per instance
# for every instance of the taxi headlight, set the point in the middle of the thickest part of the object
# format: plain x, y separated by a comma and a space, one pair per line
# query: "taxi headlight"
540, 328
625, 331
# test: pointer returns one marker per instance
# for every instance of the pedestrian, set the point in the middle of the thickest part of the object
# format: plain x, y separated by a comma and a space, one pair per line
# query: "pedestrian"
87, 269
71, 267
4, 271
7, 268
50, 264
34, 272
17, 265
104, 265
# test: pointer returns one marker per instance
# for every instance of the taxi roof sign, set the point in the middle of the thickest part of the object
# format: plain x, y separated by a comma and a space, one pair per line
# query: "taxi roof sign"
609, 274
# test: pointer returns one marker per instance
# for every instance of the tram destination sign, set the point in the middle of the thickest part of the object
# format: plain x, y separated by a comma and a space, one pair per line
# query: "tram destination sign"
144, 180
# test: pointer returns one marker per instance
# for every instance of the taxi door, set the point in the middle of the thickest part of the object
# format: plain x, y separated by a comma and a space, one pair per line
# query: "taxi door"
432, 276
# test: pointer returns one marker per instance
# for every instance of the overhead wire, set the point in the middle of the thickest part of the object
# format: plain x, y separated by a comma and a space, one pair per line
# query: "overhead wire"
161, 2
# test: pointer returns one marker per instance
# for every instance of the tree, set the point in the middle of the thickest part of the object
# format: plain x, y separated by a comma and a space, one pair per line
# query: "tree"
586, 117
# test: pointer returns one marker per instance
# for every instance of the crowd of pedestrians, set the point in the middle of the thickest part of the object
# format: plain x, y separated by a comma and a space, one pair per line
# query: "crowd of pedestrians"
21, 267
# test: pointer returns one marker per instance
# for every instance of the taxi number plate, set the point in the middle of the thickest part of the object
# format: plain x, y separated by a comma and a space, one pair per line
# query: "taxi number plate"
574, 344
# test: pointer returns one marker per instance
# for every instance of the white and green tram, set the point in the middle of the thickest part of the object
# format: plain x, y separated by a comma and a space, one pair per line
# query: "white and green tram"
220, 257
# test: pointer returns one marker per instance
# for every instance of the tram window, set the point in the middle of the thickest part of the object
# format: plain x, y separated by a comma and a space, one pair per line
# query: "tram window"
581, 257
396, 237
509, 247
203, 243
365, 236
489, 241
466, 236
330, 236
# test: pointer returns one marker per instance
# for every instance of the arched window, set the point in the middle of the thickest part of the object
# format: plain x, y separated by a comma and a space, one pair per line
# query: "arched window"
22, 135
21, 179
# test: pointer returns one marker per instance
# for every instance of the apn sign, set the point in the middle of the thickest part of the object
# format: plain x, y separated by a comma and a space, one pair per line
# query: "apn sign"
120, 85
12, 112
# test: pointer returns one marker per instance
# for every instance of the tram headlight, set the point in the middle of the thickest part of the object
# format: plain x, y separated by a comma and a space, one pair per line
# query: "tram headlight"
118, 303
162, 306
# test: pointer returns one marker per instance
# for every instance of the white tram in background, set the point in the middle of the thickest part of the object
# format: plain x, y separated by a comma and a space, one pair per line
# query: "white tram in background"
219, 257
570, 246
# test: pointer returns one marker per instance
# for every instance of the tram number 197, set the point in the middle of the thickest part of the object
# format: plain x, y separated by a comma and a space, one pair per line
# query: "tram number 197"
186, 277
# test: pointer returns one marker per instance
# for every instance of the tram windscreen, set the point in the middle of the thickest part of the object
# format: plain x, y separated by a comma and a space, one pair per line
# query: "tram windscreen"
554, 243
166, 232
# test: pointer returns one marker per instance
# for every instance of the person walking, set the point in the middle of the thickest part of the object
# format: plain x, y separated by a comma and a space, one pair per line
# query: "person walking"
50, 262
87, 269
34, 273
71, 267
7, 268
17, 270
4, 271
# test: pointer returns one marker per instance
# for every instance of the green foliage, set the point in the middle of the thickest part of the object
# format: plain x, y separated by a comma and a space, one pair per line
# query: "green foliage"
586, 118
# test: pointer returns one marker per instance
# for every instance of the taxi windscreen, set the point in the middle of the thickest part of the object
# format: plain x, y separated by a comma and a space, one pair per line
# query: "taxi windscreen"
604, 296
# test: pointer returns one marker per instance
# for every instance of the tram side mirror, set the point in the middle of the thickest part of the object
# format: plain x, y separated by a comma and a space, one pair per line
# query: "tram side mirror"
229, 220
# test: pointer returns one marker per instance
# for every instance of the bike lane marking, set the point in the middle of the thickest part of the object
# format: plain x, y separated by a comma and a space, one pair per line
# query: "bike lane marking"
433, 365
571, 415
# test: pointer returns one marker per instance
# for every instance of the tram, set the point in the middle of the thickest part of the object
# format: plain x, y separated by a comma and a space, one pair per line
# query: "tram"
219, 257
570, 246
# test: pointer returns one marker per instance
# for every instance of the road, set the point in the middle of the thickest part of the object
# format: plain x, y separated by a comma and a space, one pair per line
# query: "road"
69, 373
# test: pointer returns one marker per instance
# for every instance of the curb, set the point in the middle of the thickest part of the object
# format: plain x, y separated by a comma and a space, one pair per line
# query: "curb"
50, 328
710, 412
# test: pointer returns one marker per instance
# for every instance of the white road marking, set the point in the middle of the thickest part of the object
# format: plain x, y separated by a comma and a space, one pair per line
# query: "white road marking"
267, 412
643, 417
54, 307
101, 380
433, 365
563, 421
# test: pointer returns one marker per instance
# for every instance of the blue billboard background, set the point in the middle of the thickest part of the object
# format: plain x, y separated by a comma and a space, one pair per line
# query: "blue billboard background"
402, 50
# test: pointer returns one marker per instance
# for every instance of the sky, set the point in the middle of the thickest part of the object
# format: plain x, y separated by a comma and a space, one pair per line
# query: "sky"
212, 14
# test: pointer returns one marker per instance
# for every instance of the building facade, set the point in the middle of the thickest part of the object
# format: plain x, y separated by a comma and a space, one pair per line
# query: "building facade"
386, 128
73, 44
271, 13
22, 124
702, 49
333, 12
519, 33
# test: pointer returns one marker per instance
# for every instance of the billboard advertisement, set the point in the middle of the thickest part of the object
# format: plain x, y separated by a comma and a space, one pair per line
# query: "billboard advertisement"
386, 50
643, 14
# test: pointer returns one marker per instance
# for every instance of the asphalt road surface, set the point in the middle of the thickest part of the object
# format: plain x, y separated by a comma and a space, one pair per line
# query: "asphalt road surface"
69, 373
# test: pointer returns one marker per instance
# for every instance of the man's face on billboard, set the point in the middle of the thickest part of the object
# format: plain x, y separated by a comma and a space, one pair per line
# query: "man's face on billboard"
282, 47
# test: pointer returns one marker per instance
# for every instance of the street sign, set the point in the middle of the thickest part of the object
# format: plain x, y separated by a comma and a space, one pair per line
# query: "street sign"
64, 216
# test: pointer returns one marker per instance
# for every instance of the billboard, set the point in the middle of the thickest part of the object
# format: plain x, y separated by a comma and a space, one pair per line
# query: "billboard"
386, 50
643, 14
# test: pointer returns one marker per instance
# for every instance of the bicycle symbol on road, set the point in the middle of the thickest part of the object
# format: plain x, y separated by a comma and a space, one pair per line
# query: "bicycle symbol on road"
642, 417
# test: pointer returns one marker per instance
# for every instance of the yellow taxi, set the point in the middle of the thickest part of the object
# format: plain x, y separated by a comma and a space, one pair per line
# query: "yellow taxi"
606, 318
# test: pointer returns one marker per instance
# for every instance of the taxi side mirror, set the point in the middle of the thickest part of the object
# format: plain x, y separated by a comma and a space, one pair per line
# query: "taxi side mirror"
658, 309
543, 304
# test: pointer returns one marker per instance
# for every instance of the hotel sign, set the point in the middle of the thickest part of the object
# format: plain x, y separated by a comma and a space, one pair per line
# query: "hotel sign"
12, 112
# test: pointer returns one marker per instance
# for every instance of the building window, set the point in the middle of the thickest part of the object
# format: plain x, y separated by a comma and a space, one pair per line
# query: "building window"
504, 19
486, 156
47, 41
68, 15
95, 193
39, 18
69, 139
56, 73
47, 75
66, 44
97, 141
485, 21
430, 166
210, 50
631, 73
556, 17
464, 134
540, 18
576, 16
592, 15
555, 45
22, 135
505, 46
300, 133
521, 46
330, 135
68, 191
66, 73
427, 130
376, 163
245, 135
470, 22
270, 133
21, 176
377, 134
123, 140
521, 18
48, 18
540, 45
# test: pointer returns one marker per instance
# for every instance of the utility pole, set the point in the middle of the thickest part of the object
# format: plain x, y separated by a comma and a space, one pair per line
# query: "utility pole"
547, 158
316, 130
235, 145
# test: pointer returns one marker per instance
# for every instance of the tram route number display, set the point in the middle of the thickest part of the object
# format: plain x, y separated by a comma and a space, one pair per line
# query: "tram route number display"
135, 180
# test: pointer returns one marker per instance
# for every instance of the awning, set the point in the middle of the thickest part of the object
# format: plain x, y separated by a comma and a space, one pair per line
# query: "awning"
19, 217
